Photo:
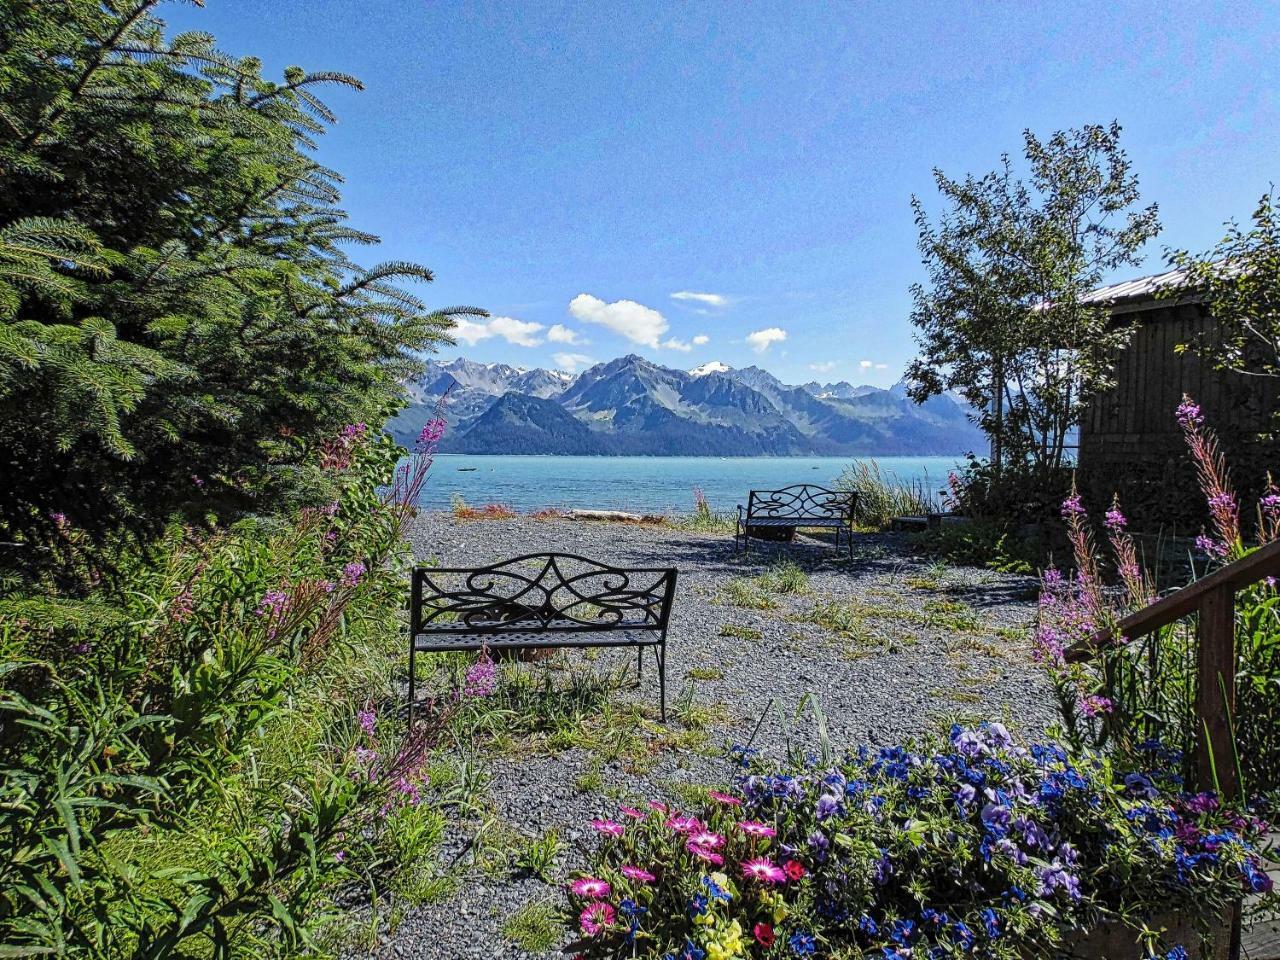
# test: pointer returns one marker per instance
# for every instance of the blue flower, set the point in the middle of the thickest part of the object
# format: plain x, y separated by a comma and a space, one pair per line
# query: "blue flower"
1140, 786
990, 923
698, 905
902, 931
802, 943
716, 891
868, 925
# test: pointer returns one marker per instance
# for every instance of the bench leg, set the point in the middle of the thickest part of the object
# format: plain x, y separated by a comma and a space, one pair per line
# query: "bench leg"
412, 674
661, 651
639, 664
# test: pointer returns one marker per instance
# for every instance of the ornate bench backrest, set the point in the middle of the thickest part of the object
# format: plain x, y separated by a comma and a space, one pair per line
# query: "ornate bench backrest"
541, 592
800, 501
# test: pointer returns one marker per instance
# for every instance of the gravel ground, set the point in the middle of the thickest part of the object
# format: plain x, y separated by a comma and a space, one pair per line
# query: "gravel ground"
934, 643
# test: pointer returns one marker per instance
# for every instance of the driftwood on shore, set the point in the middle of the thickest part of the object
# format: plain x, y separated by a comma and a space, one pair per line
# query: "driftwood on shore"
616, 516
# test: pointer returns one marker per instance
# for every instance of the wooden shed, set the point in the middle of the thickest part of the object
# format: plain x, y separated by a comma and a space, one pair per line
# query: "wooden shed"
1129, 438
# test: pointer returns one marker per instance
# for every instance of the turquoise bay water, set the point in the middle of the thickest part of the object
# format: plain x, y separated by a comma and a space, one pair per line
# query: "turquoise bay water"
644, 484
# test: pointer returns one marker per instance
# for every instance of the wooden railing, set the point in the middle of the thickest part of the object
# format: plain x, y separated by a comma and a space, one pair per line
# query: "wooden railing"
1213, 598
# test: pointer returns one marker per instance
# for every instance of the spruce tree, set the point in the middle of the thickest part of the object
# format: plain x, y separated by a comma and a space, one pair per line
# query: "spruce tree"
179, 318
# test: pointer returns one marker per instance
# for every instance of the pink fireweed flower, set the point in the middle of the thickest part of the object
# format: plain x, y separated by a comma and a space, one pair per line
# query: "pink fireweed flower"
431, 434
631, 812
1188, 413
1212, 547
754, 828
659, 807
763, 870
595, 917
704, 853
1115, 520
707, 838
592, 887
725, 798
683, 824
608, 827
637, 874
482, 677
274, 603
1072, 507
352, 573
1093, 705
367, 720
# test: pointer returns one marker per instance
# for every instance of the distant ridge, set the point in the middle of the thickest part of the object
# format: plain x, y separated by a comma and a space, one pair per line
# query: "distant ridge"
632, 406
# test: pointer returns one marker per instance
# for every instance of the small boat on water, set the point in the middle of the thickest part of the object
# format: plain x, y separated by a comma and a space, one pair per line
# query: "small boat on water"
467, 469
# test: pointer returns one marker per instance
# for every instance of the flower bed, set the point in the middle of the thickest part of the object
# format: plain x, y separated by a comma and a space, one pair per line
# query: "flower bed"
970, 846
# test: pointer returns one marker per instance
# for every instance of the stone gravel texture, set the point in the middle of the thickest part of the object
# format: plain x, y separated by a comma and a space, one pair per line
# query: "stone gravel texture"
906, 671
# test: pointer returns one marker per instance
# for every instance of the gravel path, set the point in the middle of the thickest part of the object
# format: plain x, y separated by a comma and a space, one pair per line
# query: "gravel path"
929, 643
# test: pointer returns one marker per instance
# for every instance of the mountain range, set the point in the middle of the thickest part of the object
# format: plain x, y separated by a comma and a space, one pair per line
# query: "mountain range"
631, 406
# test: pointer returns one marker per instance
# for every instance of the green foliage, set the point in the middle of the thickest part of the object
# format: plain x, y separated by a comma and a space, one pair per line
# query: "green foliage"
984, 543
1239, 279
881, 498
784, 577
180, 777
179, 322
1001, 319
534, 928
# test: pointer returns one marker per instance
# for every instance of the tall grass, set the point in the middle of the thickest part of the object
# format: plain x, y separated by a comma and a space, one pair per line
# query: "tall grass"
882, 497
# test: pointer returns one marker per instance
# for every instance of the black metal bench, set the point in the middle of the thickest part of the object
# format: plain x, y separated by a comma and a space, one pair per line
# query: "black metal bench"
800, 505
539, 601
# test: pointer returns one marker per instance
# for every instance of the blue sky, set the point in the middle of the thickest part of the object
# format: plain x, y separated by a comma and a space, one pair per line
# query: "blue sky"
573, 167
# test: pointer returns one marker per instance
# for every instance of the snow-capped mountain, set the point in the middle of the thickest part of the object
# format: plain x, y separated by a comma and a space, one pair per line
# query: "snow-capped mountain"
634, 406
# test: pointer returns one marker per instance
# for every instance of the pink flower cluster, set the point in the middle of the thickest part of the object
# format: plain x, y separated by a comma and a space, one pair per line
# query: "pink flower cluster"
482, 677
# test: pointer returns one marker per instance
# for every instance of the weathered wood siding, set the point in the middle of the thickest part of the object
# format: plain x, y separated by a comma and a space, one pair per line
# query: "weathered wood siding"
1130, 440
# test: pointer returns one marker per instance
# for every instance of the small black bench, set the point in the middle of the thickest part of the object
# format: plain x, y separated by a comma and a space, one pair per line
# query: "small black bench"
540, 601
769, 513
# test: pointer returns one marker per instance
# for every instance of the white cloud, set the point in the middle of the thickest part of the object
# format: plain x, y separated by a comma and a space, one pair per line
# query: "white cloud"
559, 333
701, 340
470, 332
825, 367
673, 344
571, 361
519, 332
882, 366
865, 364
522, 333
635, 321
714, 299
761, 340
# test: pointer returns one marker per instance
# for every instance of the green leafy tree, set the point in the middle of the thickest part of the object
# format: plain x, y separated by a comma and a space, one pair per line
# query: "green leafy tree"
179, 319
1239, 279
1001, 318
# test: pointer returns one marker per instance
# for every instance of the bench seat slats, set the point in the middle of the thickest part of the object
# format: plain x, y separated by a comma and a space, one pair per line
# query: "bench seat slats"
440, 642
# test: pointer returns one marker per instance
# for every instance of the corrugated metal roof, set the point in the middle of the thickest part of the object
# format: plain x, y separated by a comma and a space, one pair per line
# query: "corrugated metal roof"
1143, 288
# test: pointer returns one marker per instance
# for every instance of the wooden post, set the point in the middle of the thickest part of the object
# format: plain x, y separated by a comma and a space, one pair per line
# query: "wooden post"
1215, 692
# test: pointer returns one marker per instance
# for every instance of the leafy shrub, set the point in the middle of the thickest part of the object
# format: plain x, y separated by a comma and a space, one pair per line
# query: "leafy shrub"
971, 845
984, 543
1146, 690
195, 765
1014, 494
881, 497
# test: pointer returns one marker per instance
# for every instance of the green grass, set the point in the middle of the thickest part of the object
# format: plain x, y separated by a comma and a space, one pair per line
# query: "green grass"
881, 498
741, 632
758, 592
534, 928
784, 577
745, 592
704, 673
